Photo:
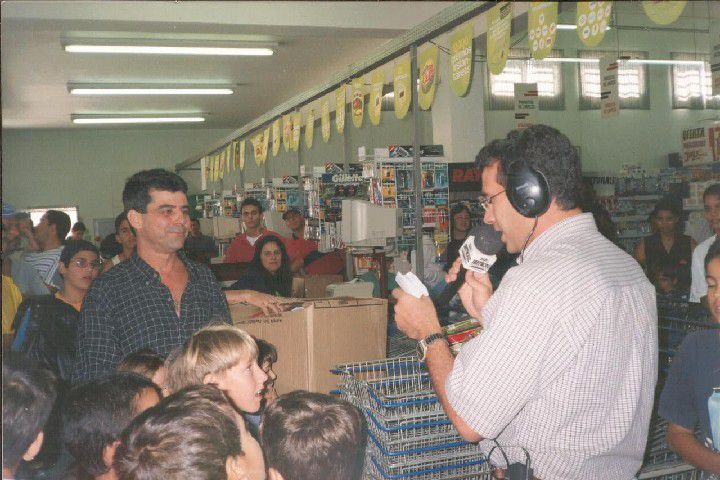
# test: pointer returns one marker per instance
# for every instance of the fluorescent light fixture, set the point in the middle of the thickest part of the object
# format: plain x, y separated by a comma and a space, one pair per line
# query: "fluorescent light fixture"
169, 50
146, 90
569, 26
119, 120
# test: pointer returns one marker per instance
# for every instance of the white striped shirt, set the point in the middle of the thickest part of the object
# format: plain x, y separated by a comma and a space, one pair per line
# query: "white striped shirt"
567, 363
46, 264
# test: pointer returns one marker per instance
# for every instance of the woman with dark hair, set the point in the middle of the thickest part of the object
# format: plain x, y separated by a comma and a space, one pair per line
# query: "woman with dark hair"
666, 246
459, 227
270, 269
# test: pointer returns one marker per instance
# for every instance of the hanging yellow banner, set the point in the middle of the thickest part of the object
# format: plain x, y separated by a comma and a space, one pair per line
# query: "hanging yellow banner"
376, 88
276, 137
427, 64
461, 59
287, 132
498, 36
221, 159
309, 128
228, 162
325, 119
296, 125
357, 102
231, 155
214, 161
401, 87
663, 12
340, 108
542, 26
241, 161
236, 154
592, 20
204, 172
265, 144
260, 146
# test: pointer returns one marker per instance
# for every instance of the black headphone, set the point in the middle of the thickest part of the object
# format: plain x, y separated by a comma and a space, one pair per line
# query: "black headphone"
527, 189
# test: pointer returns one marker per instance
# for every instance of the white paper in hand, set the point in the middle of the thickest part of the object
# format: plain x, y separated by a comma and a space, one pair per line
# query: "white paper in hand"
410, 283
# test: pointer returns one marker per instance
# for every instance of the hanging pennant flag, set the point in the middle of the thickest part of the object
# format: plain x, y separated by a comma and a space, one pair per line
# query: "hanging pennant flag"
357, 101
498, 36
265, 144
542, 26
526, 105
376, 88
214, 169
401, 87
276, 137
325, 119
287, 132
461, 59
340, 108
228, 150
236, 155
241, 161
427, 63
664, 12
204, 171
309, 128
231, 155
592, 20
257, 148
221, 162
609, 96
296, 125
715, 56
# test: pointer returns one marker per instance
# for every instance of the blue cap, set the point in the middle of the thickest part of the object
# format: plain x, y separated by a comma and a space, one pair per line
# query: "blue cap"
8, 210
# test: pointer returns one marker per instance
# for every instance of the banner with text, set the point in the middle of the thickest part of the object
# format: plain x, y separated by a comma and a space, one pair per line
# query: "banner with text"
325, 119
609, 96
427, 65
340, 108
357, 102
309, 128
592, 19
276, 137
498, 36
526, 105
401, 88
461, 59
663, 12
376, 88
542, 27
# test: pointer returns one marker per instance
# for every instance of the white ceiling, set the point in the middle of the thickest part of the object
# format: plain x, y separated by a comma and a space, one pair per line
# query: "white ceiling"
316, 40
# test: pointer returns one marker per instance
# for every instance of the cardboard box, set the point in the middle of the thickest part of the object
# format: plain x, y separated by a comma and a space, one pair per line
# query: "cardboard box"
313, 286
317, 336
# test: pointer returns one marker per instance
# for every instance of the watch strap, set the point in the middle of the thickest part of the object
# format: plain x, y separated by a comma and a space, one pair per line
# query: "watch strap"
425, 343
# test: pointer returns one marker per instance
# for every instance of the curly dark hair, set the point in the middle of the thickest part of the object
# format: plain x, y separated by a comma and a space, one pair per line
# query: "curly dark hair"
546, 150
280, 281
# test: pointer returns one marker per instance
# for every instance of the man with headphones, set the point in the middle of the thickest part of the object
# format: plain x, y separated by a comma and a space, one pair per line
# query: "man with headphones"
561, 380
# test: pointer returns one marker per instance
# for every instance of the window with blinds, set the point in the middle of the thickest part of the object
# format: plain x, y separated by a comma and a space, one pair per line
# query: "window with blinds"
520, 68
692, 84
632, 81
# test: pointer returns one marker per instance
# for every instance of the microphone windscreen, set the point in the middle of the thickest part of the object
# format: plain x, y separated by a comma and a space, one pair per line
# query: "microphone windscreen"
487, 239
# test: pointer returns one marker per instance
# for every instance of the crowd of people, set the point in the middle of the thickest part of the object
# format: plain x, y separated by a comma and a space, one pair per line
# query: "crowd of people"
133, 370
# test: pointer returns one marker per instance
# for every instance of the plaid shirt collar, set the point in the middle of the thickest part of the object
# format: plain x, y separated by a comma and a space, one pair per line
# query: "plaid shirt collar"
151, 274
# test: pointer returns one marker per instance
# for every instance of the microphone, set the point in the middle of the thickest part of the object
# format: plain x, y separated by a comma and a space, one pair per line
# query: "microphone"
478, 253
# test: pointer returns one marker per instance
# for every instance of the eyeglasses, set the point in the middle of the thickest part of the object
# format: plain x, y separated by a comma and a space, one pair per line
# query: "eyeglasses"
84, 263
487, 201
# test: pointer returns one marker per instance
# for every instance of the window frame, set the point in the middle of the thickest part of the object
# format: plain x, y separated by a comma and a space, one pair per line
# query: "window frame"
585, 102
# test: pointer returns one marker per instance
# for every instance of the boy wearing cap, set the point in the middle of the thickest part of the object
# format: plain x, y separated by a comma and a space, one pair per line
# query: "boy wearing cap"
298, 248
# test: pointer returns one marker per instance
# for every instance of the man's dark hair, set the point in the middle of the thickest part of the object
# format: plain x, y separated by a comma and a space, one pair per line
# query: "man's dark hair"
546, 150
311, 435
713, 253
144, 362
266, 352
79, 227
189, 434
251, 202
713, 190
29, 392
668, 204
61, 220
73, 247
95, 415
136, 194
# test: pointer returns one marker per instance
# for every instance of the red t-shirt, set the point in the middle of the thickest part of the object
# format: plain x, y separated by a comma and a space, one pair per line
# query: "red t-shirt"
299, 247
240, 249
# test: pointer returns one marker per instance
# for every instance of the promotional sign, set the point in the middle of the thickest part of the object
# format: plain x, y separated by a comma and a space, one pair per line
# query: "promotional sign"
265, 144
526, 105
498, 36
340, 108
296, 125
257, 143
241, 156
663, 12
700, 145
609, 96
542, 26
592, 20
287, 132
401, 87
276, 137
427, 65
229, 150
204, 173
461, 59
221, 162
357, 102
213, 168
236, 155
376, 88
325, 119
309, 128
464, 177
715, 56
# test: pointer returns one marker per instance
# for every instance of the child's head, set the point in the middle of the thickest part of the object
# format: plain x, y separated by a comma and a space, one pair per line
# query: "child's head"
147, 363
222, 355
190, 434
28, 392
96, 413
666, 278
310, 435
267, 356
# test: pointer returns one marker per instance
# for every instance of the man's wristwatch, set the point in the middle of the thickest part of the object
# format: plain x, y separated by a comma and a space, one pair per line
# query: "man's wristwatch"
423, 344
